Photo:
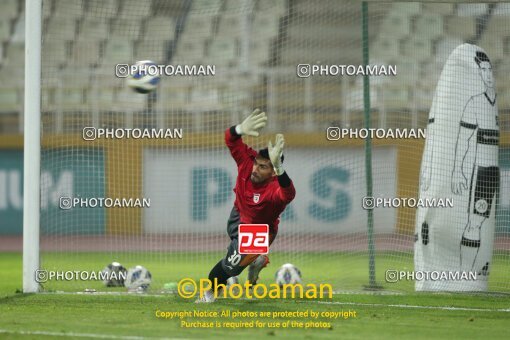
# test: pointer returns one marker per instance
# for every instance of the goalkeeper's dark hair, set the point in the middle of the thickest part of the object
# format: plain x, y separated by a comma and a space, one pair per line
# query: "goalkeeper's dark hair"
264, 153
480, 56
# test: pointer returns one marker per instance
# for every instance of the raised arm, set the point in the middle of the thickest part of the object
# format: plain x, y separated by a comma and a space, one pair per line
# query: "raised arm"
286, 192
250, 126
426, 164
467, 129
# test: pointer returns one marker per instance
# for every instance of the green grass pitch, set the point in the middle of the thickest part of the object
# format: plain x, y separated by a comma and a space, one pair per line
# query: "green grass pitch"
385, 314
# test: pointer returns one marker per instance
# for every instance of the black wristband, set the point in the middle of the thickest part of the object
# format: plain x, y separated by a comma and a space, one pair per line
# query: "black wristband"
233, 132
284, 180
468, 125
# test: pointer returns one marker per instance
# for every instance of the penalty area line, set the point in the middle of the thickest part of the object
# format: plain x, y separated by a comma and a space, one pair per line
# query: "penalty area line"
81, 335
504, 310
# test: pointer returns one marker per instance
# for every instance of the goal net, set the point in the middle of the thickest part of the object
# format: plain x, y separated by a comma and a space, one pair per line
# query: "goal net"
299, 62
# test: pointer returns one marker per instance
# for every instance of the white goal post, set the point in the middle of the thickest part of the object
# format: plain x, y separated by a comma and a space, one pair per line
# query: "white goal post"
32, 145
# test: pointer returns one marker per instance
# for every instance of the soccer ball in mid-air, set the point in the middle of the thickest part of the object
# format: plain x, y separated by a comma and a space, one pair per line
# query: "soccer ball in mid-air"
114, 275
145, 78
288, 274
138, 279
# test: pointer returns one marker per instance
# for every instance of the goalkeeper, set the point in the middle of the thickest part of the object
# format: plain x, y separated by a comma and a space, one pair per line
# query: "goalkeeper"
263, 190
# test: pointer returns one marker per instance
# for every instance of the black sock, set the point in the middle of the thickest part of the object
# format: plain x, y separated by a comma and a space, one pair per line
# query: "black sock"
218, 273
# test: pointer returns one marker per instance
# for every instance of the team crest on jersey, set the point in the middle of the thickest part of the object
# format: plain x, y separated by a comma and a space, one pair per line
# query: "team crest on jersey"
256, 198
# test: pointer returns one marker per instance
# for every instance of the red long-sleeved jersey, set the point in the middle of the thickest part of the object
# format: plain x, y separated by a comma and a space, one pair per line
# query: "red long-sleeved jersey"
256, 203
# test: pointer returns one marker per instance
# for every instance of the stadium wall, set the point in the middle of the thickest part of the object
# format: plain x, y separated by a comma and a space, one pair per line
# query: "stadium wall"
122, 162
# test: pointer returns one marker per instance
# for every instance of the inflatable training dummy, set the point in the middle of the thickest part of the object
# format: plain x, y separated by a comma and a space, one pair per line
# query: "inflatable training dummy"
460, 163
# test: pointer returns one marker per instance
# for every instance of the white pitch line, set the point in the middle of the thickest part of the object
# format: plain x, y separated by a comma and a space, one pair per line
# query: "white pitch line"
505, 310
82, 335
166, 295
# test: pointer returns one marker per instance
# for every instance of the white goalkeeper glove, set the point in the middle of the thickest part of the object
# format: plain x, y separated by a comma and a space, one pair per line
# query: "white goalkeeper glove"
252, 124
275, 153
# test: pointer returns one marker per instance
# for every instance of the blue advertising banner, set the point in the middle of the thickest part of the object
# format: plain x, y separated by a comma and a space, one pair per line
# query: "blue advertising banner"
65, 172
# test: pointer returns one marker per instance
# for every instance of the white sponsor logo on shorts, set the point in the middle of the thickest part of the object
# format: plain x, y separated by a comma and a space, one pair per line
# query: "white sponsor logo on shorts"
481, 206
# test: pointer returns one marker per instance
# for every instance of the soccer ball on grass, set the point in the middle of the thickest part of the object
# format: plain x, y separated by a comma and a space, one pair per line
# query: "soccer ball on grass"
288, 274
114, 275
138, 279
